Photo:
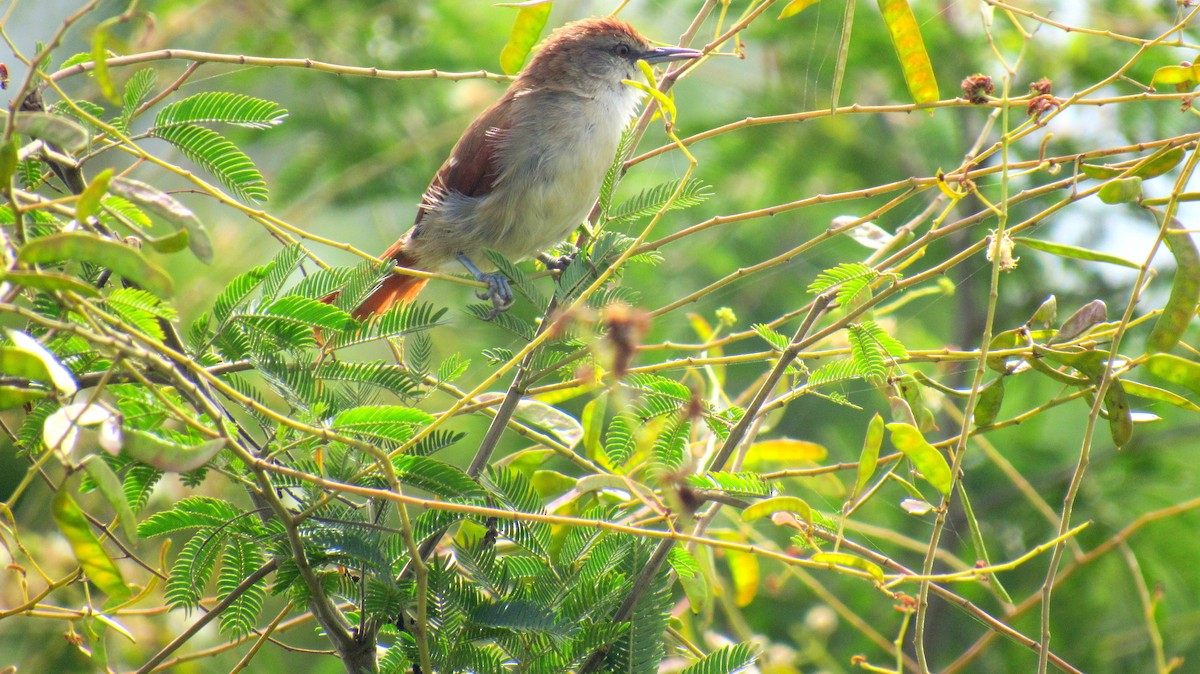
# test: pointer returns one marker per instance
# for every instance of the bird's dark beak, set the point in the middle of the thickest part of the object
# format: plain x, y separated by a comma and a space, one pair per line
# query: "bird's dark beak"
664, 54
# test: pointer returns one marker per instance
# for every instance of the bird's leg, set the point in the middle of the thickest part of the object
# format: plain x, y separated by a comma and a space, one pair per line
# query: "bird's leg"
498, 289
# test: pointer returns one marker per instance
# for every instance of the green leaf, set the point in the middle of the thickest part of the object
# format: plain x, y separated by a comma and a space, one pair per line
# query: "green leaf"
727, 659
89, 200
691, 577
527, 28
108, 484
13, 396
222, 107
8, 163
52, 128
1063, 250
100, 62
910, 48
49, 281
795, 7
242, 558
1157, 165
791, 504
843, 559
987, 404
16, 362
168, 208
1180, 309
218, 156
1154, 393
1183, 78
61, 377
649, 202
136, 90
1121, 190
95, 562
307, 312
385, 424
121, 259
1175, 370
1120, 416
592, 420
869, 457
928, 460
165, 455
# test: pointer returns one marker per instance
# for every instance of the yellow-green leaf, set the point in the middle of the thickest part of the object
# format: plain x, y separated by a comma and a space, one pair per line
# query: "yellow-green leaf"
8, 163
593, 424
121, 259
14, 396
20, 363
42, 280
100, 64
89, 201
109, 485
843, 559
784, 451
910, 48
95, 562
791, 504
869, 457
795, 7
1121, 190
987, 405
1120, 419
1149, 392
1175, 370
924, 456
1183, 78
526, 30
664, 102
1063, 250
746, 575
1180, 309
164, 455
550, 484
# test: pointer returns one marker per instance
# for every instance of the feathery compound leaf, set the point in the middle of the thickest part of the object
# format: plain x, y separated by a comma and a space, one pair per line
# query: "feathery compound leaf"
736, 484
867, 354
436, 477
835, 371
304, 311
651, 201
388, 425
242, 558
237, 292
190, 513
282, 266
777, 341
615, 170
193, 568
853, 277
223, 107
218, 156
725, 660
135, 92
890, 345
404, 319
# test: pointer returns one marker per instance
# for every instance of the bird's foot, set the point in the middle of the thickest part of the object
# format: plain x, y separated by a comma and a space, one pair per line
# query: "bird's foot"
499, 291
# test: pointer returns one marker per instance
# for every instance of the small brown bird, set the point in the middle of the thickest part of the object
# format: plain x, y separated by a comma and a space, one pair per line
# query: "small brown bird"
527, 171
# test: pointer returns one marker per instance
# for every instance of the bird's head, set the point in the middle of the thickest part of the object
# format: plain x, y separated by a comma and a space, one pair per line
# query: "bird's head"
593, 54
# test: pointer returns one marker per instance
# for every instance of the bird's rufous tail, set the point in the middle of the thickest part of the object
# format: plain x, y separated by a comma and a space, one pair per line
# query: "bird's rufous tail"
395, 289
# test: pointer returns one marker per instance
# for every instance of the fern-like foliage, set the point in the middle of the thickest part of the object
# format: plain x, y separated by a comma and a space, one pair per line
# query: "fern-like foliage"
648, 202
852, 279
219, 157
871, 348
725, 660
136, 90
221, 107
734, 484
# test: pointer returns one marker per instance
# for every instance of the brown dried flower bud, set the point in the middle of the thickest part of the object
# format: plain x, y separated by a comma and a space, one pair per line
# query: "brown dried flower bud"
977, 88
626, 327
1041, 87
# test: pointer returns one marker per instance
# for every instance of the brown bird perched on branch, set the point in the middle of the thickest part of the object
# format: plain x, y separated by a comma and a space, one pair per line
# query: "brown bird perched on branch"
527, 171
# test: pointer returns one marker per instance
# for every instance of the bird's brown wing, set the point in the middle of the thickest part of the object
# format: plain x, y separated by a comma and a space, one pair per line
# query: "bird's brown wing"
473, 165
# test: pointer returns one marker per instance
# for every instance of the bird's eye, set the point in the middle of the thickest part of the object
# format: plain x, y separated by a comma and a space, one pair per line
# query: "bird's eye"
621, 50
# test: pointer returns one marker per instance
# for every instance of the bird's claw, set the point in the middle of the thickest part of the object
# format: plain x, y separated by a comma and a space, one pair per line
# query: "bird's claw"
499, 291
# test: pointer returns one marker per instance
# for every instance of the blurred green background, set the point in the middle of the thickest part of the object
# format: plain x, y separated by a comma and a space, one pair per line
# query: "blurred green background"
355, 154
